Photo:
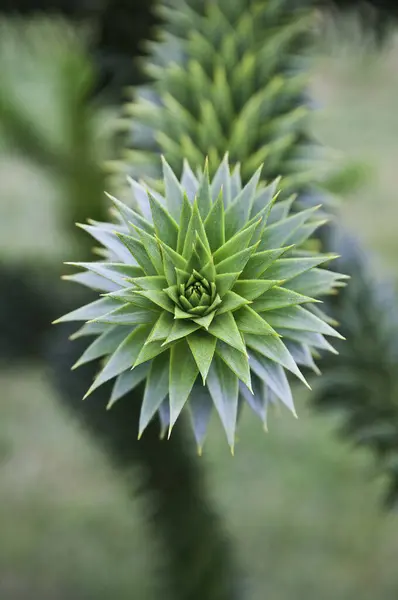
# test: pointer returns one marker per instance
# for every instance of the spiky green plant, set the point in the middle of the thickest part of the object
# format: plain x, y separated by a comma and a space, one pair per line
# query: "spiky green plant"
226, 76
205, 283
361, 383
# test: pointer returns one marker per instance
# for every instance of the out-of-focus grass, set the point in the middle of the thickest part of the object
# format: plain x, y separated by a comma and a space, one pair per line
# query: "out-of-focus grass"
68, 529
302, 506
358, 90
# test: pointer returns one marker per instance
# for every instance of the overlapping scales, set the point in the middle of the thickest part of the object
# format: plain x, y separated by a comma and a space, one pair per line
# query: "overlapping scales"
208, 295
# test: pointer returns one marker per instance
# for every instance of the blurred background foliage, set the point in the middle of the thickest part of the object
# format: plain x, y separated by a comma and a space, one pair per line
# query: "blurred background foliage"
302, 508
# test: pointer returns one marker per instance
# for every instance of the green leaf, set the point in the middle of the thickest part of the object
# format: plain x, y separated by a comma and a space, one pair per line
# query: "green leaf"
223, 387
204, 193
275, 378
173, 293
141, 197
176, 259
181, 314
236, 361
188, 180
281, 209
261, 261
310, 338
319, 281
90, 328
103, 345
173, 189
138, 251
273, 348
156, 389
164, 417
287, 268
231, 302
152, 282
195, 227
181, 328
224, 327
185, 218
169, 268
209, 271
148, 351
110, 240
302, 233
214, 225
90, 311
237, 262
165, 226
252, 288
200, 407
202, 346
162, 328
225, 282
123, 357
92, 281
222, 181
264, 198
183, 373
116, 272
297, 317
237, 213
238, 242
248, 321
204, 321
131, 216
127, 381
129, 315
152, 249
279, 297
159, 298
202, 252
279, 233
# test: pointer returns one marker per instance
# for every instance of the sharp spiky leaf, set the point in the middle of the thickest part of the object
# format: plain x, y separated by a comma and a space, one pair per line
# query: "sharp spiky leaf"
183, 373
201, 300
156, 389
224, 388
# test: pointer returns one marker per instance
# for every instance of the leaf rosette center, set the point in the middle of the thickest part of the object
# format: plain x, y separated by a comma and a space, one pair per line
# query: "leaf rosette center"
198, 296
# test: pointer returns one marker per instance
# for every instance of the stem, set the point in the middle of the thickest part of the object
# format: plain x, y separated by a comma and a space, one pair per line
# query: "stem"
199, 564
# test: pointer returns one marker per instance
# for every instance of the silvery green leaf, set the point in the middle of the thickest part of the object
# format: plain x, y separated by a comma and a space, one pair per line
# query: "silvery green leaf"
320, 281
123, 358
165, 226
224, 328
273, 348
156, 389
277, 298
238, 212
214, 224
202, 346
200, 407
274, 376
104, 344
224, 389
236, 361
188, 181
287, 268
92, 281
91, 311
110, 241
127, 381
174, 191
183, 374
297, 317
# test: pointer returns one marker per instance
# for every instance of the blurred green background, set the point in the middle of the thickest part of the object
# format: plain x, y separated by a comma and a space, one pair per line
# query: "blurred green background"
303, 507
